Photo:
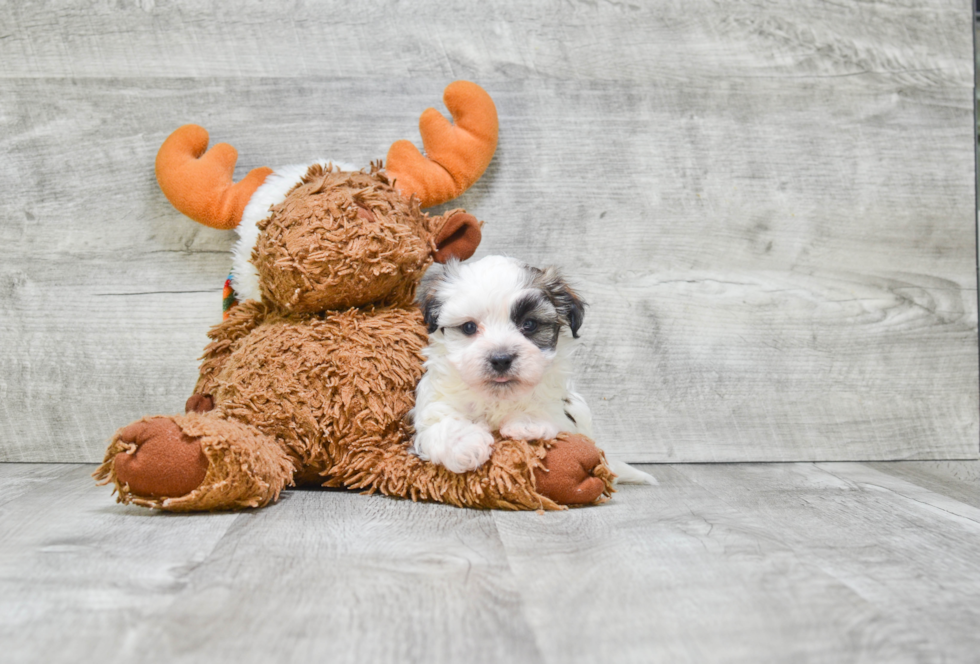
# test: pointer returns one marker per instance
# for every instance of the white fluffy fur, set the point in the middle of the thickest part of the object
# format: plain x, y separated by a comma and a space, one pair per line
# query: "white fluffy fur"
458, 405
244, 277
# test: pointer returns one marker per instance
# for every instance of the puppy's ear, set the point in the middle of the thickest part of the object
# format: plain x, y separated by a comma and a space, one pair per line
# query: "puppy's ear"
570, 307
427, 296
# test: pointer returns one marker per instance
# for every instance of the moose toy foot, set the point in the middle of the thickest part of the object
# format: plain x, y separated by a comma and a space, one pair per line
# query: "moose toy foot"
195, 462
574, 472
162, 461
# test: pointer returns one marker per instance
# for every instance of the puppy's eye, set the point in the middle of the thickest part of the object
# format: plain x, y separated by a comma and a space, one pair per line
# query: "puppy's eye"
529, 326
468, 328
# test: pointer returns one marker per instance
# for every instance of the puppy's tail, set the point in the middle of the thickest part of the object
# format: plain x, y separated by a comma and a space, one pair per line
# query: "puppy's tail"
627, 474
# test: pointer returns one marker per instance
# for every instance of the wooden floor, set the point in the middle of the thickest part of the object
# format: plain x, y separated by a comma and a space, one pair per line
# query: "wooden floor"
833, 562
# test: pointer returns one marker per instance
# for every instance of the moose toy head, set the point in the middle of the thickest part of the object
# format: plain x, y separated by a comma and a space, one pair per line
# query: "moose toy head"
319, 236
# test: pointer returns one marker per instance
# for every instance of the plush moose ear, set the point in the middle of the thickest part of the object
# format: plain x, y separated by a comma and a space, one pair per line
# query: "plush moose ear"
458, 237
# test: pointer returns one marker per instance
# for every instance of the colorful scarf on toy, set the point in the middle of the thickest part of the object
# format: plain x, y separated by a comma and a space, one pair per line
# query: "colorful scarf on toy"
228, 299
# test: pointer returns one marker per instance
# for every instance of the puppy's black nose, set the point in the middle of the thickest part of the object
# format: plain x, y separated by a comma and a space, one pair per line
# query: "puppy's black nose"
501, 362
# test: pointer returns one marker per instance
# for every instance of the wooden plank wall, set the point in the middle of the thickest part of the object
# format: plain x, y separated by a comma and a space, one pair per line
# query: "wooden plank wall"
769, 205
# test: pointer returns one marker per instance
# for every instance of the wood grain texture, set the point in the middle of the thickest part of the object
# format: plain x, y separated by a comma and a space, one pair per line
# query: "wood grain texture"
737, 563
896, 559
349, 578
17, 479
745, 563
578, 40
959, 480
770, 207
75, 588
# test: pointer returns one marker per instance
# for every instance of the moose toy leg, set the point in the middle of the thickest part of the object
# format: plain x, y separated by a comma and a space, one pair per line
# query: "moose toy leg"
195, 462
520, 475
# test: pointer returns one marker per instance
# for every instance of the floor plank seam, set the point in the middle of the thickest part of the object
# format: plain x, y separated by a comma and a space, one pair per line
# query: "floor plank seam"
932, 507
518, 588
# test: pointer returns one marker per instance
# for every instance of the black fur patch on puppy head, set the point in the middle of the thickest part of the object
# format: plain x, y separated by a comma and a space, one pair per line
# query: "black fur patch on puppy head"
535, 308
568, 304
427, 296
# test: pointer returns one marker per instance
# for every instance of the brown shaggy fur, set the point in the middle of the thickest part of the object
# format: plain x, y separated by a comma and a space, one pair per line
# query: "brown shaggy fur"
314, 383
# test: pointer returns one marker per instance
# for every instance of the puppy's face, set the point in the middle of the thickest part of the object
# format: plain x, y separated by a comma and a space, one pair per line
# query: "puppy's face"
499, 321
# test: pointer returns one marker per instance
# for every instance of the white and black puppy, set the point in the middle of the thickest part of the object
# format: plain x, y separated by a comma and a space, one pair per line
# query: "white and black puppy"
501, 336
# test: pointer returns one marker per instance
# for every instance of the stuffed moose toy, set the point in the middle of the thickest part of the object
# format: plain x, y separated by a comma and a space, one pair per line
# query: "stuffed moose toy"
309, 379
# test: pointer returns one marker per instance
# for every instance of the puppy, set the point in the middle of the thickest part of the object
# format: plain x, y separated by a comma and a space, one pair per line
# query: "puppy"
501, 336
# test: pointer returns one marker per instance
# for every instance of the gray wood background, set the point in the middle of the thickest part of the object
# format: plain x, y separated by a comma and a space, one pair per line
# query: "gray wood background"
769, 205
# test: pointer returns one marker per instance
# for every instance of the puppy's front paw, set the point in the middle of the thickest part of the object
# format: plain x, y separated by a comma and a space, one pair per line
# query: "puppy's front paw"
528, 428
458, 445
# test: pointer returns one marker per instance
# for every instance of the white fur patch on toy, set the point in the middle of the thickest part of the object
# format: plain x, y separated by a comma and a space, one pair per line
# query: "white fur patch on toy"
244, 276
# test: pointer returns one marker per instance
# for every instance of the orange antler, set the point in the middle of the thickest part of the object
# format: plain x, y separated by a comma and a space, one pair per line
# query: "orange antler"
201, 186
457, 153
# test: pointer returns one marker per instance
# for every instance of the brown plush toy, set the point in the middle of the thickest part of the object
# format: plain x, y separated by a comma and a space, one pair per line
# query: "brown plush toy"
310, 378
